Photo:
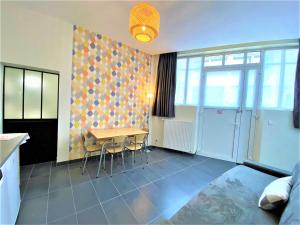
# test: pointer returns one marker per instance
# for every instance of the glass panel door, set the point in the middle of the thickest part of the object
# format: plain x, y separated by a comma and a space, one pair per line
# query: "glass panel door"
50, 94
32, 94
13, 93
219, 117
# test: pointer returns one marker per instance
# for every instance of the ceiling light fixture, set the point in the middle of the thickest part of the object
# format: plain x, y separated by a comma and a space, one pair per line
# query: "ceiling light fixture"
144, 22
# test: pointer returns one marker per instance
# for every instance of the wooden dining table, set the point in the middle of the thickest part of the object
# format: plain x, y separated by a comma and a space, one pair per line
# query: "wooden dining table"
104, 134
99, 134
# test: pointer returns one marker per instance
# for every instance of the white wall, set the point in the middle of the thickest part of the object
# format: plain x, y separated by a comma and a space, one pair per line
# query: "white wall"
34, 40
184, 113
277, 142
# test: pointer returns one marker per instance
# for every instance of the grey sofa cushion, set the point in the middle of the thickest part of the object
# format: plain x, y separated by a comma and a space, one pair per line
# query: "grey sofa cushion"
230, 199
291, 213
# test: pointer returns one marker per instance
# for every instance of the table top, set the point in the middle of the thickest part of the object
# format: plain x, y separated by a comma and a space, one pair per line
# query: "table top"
9, 143
115, 132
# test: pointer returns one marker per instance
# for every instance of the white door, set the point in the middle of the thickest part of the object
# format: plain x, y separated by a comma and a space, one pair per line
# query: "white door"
220, 113
226, 114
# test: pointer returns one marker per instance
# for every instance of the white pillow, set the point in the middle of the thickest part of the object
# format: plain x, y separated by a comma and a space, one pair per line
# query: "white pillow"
276, 193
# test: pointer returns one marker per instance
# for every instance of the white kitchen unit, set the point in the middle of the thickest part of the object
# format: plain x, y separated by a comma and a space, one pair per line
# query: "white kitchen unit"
10, 177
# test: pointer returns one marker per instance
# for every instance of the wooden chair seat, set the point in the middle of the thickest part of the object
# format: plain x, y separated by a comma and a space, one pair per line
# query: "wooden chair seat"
134, 147
93, 148
114, 149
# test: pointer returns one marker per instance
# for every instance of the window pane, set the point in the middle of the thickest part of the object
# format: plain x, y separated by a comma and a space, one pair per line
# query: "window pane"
50, 91
250, 94
195, 63
181, 64
32, 95
233, 59
13, 96
193, 88
253, 57
222, 88
291, 55
215, 60
273, 56
270, 86
288, 86
180, 81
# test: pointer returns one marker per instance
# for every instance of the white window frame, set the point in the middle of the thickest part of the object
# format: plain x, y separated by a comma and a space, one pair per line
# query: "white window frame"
186, 78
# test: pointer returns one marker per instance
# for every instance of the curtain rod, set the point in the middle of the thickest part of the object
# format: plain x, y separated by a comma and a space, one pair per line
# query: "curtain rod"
243, 46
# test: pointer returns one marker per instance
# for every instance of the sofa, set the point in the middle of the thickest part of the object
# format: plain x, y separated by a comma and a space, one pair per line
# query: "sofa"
233, 198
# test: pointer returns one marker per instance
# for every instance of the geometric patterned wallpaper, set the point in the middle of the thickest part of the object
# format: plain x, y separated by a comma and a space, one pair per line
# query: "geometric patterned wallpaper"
110, 83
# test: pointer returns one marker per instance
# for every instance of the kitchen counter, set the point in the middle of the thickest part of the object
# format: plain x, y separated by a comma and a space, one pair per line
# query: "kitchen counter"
10, 197
9, 143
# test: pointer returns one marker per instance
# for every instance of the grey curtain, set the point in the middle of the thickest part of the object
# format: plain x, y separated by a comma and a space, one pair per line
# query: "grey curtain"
296, 111
165, 86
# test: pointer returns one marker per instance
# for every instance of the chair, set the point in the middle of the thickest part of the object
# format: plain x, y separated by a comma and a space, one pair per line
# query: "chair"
117, 145
89, 146
139, 144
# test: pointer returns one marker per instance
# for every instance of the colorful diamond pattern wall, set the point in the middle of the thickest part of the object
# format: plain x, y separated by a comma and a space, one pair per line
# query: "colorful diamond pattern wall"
110, 83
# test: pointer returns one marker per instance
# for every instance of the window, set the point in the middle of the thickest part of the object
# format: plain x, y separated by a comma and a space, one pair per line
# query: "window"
30, 94
250, 92
193, 85
222, 88
216, 60
253, 57
13, 93
180, 81
234, 59
278, 79
188, 76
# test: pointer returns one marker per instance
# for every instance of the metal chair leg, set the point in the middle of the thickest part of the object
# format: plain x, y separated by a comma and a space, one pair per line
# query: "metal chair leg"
86, 156
99, 166
132, 157
123, 162
104, 160
82, 161
146, 154
111, 164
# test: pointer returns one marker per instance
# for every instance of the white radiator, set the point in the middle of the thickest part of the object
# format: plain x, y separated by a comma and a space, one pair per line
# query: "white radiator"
179, 135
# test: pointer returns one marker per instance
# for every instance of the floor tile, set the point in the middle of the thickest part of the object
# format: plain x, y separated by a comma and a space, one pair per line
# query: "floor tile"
104, 188
164, 168
42, 169
25, 172
143, 210
149, 173
76, 175
151, 194
60, 204
215, 167
137, 177
84, 196
118, 212
92, 215
59, 179
92, 168
23, 185
55, 167
122, 183
71, 219
37, 186
33, 211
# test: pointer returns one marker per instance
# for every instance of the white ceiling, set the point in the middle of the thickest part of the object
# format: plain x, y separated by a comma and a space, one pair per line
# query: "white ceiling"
185, 25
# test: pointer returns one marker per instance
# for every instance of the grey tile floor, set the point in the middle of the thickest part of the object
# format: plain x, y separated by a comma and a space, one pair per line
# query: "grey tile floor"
143, 194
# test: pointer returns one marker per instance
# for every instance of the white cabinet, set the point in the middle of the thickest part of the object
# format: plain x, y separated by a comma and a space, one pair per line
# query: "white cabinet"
10, 190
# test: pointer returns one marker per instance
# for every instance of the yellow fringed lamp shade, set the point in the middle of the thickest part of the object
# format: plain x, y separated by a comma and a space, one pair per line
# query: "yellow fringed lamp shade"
144, 22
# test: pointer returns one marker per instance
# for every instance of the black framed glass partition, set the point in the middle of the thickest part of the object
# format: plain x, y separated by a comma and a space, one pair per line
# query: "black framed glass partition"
30, 104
